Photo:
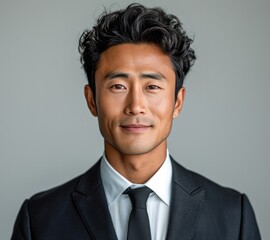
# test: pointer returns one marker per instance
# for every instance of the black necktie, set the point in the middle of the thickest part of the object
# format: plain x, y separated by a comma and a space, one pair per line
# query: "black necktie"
138, 226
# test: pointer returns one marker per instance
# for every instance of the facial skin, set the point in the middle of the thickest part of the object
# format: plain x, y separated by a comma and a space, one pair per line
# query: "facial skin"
135, 105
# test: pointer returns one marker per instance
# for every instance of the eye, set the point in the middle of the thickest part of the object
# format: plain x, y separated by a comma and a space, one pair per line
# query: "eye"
153, 87
118, 87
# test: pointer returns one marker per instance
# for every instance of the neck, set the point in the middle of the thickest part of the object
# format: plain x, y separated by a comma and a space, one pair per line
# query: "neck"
137, 168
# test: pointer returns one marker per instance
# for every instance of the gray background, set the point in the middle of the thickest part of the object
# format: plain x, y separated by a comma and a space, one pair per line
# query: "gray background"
47, 135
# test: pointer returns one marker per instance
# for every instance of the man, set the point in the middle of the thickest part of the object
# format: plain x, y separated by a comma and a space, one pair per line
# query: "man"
136, 60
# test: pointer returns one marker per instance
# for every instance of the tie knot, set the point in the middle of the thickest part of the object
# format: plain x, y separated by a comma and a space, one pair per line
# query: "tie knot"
138, 196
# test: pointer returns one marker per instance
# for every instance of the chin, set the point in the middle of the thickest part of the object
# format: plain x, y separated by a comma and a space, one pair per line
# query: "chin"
137, 150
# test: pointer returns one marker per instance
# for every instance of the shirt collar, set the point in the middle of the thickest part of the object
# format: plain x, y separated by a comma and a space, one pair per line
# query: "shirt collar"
161, 181
115, 184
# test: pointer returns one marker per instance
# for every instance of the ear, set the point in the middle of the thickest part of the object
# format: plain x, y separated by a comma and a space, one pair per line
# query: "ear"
89, 96
179, 102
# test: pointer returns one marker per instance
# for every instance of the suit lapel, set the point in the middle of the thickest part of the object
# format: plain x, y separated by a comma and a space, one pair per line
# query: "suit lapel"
91, 204
187, 198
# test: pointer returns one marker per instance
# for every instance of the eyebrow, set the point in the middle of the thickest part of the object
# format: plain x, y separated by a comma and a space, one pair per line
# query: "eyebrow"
156, 76
112, 75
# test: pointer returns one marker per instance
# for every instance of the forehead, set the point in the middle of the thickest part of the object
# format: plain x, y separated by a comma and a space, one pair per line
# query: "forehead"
137, 57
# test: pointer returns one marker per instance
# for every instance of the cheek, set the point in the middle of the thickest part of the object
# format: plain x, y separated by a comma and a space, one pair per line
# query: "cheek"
163, 107
106, 105
108, 113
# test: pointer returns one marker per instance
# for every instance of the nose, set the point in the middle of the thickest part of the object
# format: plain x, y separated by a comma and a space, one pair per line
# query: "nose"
135, 102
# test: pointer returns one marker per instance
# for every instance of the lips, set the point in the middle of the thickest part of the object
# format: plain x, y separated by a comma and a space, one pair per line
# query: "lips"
135, 127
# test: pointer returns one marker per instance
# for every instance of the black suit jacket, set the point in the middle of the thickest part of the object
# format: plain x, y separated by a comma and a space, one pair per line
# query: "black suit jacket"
77, 210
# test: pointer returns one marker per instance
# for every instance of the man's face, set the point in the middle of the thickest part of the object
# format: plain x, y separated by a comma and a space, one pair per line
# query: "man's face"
135, 102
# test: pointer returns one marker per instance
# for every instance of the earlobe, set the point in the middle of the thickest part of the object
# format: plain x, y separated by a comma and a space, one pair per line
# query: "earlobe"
179, 102
89, 96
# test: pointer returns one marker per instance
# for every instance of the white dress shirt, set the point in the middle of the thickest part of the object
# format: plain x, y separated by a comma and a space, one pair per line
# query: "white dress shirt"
158, 203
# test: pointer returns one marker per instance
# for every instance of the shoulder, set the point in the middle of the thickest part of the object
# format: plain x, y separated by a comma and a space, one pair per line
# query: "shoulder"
62, 194
48, 213
224, 209
57, 192
190, 181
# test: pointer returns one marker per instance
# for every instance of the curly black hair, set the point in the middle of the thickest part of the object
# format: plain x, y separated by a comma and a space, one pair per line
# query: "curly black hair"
137, 24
